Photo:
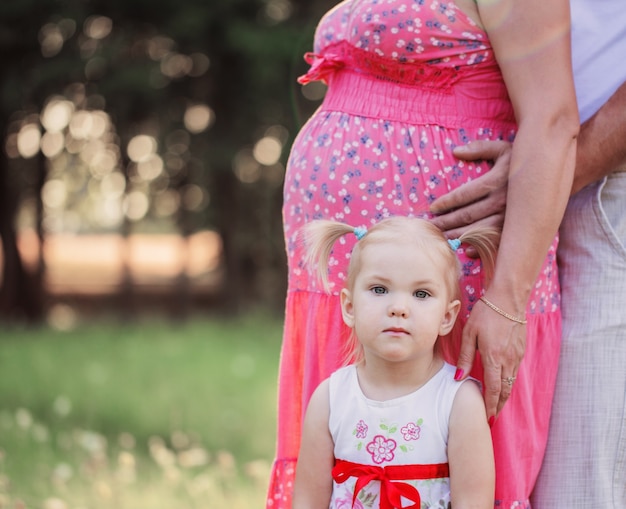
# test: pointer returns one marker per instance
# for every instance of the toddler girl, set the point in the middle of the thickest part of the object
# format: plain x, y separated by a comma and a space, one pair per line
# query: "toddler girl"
393, 429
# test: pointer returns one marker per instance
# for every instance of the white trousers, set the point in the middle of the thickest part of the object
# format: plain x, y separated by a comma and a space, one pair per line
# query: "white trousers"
585, 462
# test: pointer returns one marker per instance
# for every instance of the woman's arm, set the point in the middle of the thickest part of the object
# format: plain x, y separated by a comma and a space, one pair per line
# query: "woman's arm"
314, 483
531, 40
470, 451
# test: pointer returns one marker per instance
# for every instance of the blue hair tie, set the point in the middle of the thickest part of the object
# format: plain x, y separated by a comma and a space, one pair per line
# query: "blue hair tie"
454, 244
360, 232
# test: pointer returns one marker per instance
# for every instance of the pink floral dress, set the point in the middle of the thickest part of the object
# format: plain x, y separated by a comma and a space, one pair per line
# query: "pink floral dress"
408, 80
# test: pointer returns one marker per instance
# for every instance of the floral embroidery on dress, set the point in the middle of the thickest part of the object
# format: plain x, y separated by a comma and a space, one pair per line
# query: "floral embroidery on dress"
412, 430
361, 429
381, 449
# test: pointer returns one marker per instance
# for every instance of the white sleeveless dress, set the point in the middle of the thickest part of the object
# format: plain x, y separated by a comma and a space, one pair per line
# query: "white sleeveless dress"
390, 451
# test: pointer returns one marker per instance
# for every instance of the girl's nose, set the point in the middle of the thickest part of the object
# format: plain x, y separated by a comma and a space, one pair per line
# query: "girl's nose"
398, 308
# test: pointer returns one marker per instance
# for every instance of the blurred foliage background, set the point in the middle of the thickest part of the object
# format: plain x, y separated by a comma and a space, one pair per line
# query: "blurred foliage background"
143, 153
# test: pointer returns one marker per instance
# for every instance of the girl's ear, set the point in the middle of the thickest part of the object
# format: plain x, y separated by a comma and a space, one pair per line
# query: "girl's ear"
347, 308
449, 317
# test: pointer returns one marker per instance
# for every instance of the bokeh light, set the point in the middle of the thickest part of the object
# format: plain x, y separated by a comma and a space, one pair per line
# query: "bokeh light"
167, 203
195, 197
28, 140
247, 169
278, 10
52, 144
200, 65
88, 124
51, 40
159, 46
198, 118
98, 27
150, 167
141, 148
176, 65
104, 161
109, 213
113, 185
57, 114
136, 205
54, 194
267, 150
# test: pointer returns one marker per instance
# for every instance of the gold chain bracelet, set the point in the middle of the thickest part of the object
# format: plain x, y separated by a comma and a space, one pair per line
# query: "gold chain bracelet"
503, 313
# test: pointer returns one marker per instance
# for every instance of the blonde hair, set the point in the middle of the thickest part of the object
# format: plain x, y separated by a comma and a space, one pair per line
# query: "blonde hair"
320, 236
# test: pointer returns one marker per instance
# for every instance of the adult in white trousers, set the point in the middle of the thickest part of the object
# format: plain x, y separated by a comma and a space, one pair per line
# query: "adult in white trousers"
585, 462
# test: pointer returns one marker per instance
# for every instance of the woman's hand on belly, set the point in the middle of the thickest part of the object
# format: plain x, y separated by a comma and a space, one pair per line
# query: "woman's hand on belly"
479, 201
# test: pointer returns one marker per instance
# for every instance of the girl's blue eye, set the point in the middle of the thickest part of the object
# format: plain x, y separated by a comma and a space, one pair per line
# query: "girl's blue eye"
379, 290
421, 294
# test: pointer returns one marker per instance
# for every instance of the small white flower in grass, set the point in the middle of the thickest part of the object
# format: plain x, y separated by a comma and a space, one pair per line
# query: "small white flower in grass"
126, 468
91, 442
172, 475
62, 473
54, 503
62, 406
40, 433
226, 463
126, 440
126, 460
201, 485
258, 470
161, 454
104, 490
23, 418
180, 439
194, 457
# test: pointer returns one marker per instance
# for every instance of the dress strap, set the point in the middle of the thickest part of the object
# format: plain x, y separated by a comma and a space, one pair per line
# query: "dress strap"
391, 492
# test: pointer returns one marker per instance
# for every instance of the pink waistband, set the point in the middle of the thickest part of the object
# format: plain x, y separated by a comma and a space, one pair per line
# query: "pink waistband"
481, 101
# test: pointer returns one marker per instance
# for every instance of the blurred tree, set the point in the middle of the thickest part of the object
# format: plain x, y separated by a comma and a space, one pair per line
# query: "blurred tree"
210, 84
20, 294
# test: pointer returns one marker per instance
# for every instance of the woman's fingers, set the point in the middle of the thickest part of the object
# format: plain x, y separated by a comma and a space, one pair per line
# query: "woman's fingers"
501, 344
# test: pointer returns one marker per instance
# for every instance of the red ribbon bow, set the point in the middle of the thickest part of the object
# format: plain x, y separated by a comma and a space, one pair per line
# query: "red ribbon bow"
321, 66
391, 492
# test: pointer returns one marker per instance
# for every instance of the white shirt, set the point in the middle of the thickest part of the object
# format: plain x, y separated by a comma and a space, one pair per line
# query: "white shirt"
598, 51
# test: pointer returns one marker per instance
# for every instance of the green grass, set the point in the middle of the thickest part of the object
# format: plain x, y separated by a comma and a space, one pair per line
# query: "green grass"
138, 416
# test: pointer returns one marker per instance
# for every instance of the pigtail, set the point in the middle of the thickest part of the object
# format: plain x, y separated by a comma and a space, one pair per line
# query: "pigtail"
319, 238
485, 239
